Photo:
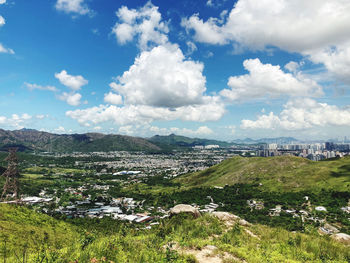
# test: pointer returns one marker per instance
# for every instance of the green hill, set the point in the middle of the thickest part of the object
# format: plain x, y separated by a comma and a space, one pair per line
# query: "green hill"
33, 140
182, 141
284, 173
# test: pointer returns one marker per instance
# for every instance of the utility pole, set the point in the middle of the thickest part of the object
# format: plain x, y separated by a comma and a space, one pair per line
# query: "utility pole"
11, 175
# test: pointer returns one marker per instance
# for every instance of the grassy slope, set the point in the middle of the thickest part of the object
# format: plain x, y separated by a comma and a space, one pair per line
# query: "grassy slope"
26, 230
283, 173
125, 243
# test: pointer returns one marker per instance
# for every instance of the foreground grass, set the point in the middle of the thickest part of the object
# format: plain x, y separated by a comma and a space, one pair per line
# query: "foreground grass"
44, 239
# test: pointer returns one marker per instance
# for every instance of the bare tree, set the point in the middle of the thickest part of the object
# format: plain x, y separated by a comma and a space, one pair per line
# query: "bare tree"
11, 175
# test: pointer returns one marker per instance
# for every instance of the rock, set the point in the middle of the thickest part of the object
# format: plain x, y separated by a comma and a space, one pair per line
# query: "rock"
331, 228
184, 209
225, 216
342, 238
243, 222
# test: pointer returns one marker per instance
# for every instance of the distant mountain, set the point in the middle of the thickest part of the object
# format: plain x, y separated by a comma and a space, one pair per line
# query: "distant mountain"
182, 141
33, 140
278, 140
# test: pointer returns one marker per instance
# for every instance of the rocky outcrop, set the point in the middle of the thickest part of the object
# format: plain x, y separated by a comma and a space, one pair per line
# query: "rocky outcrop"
230, 219
342, 238
181, 208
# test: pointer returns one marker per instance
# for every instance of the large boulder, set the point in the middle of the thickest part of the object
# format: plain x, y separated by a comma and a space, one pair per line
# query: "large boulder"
178, 209
342, 238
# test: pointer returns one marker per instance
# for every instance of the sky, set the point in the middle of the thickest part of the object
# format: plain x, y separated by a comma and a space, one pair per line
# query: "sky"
208, 68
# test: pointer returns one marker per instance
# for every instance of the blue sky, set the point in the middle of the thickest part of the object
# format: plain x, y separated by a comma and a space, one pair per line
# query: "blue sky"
211, 68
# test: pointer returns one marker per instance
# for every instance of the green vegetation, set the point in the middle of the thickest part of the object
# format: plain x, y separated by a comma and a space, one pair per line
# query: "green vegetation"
40, 238
182, 141
277, 174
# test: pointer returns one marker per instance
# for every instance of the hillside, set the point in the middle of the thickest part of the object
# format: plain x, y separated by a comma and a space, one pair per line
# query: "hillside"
182, 141
26, 230
33, 140
182, 238
284, 173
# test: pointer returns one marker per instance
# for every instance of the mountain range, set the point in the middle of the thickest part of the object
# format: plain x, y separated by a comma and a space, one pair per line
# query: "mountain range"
33, 140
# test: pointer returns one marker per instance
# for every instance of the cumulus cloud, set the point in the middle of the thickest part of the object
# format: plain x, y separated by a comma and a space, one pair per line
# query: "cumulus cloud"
77, 7
191, 47
207, 32
162, 77
301, 114
161, 85
15, 121
6, 50
2, 21
113, 98
266, 80
290, 25
336, 60
318, 29
143, 114
32, 87
73, 82
145, 23
60, 129
72, 99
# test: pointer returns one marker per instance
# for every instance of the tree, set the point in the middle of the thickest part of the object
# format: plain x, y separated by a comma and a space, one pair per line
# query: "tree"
11, 175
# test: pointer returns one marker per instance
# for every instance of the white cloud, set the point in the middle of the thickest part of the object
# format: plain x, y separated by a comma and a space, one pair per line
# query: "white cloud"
2, 21
266, 80
2, 2
97, 128
336, 60
73, 6
72, 99
73, 82
60, 129
318, 29
302, 114
128, 130
161, 85
15, 121
6, 50
191, 47
143, 114
113, 98
41, 116
208, 32
292, 66
32, 87
290, 25
162, 77
144, 22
